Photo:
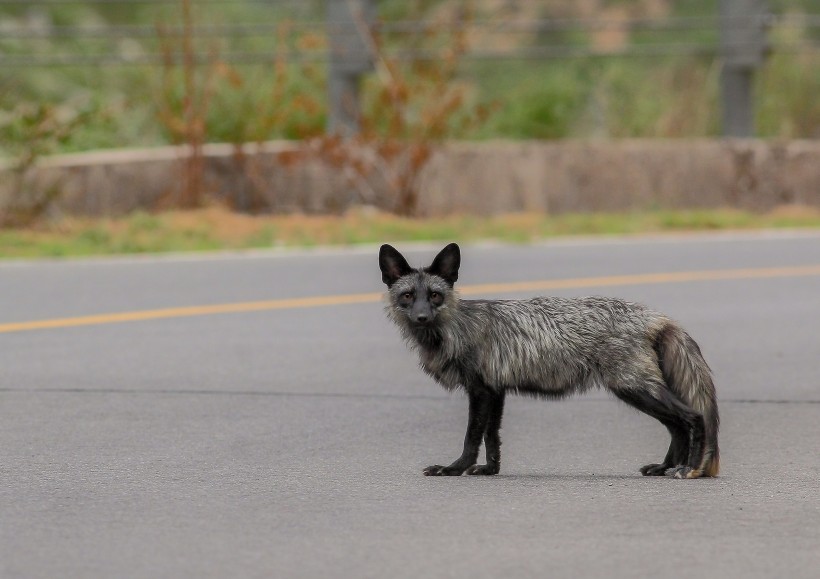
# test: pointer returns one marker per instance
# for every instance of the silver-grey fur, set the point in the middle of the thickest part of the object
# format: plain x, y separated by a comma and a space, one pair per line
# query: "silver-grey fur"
553, 347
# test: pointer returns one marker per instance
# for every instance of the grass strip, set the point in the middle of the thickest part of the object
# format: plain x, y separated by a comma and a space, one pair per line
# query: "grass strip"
216, 228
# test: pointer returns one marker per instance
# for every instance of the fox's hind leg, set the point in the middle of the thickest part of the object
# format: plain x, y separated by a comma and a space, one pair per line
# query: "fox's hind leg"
492, 437
677, 454
686, 450
476, 426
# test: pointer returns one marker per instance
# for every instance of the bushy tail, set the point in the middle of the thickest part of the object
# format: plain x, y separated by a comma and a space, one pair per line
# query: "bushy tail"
689, 376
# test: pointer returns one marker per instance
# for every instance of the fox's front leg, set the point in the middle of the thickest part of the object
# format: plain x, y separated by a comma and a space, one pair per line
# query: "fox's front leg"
476, 426
492, 437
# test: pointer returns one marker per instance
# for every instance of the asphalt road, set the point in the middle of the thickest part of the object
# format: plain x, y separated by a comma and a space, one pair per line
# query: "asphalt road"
288, 440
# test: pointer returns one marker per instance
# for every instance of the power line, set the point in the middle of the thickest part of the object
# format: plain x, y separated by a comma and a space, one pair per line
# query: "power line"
680, 24
76, 56
240, 57
409, 26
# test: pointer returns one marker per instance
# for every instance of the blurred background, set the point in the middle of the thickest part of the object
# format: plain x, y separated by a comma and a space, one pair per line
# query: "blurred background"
321, 107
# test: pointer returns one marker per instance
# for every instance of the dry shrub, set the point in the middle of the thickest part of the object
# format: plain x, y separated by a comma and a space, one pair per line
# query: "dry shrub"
411, 104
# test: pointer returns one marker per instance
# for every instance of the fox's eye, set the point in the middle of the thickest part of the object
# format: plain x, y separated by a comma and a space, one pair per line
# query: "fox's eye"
407, 295
434, 295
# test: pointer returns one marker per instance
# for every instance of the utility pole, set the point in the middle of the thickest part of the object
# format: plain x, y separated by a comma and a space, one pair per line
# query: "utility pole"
349, 59
743, 47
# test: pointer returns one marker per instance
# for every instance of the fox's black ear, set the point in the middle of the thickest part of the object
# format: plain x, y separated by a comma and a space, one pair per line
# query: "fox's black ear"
446, 264
392, 264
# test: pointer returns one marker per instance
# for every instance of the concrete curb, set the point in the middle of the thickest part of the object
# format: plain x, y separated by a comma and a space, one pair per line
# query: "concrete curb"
479, 177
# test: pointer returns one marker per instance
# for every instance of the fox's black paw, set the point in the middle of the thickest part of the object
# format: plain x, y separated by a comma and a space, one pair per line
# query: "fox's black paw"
438, 470
483, 469
654, 470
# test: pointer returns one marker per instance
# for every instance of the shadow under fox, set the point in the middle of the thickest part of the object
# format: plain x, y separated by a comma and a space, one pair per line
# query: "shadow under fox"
552, 347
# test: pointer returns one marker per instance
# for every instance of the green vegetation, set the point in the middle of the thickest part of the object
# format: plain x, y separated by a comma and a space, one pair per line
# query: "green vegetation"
138, 105
215, 228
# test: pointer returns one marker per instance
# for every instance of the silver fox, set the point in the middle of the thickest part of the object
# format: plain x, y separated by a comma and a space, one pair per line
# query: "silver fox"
552, 347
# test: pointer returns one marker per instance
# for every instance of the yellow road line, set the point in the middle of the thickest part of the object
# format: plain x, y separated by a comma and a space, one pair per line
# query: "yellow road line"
184, 312
319, 301
643, 278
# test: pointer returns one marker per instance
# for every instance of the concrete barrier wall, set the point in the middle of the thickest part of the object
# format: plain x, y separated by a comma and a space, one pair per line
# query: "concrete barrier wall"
480, 178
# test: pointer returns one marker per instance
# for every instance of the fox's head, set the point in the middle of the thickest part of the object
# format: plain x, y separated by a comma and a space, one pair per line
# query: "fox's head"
420, 296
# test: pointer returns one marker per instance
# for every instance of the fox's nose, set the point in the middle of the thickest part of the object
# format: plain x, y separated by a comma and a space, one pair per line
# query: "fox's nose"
421, 318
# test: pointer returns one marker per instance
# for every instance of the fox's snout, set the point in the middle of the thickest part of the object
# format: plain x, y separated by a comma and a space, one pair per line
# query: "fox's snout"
421, 312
